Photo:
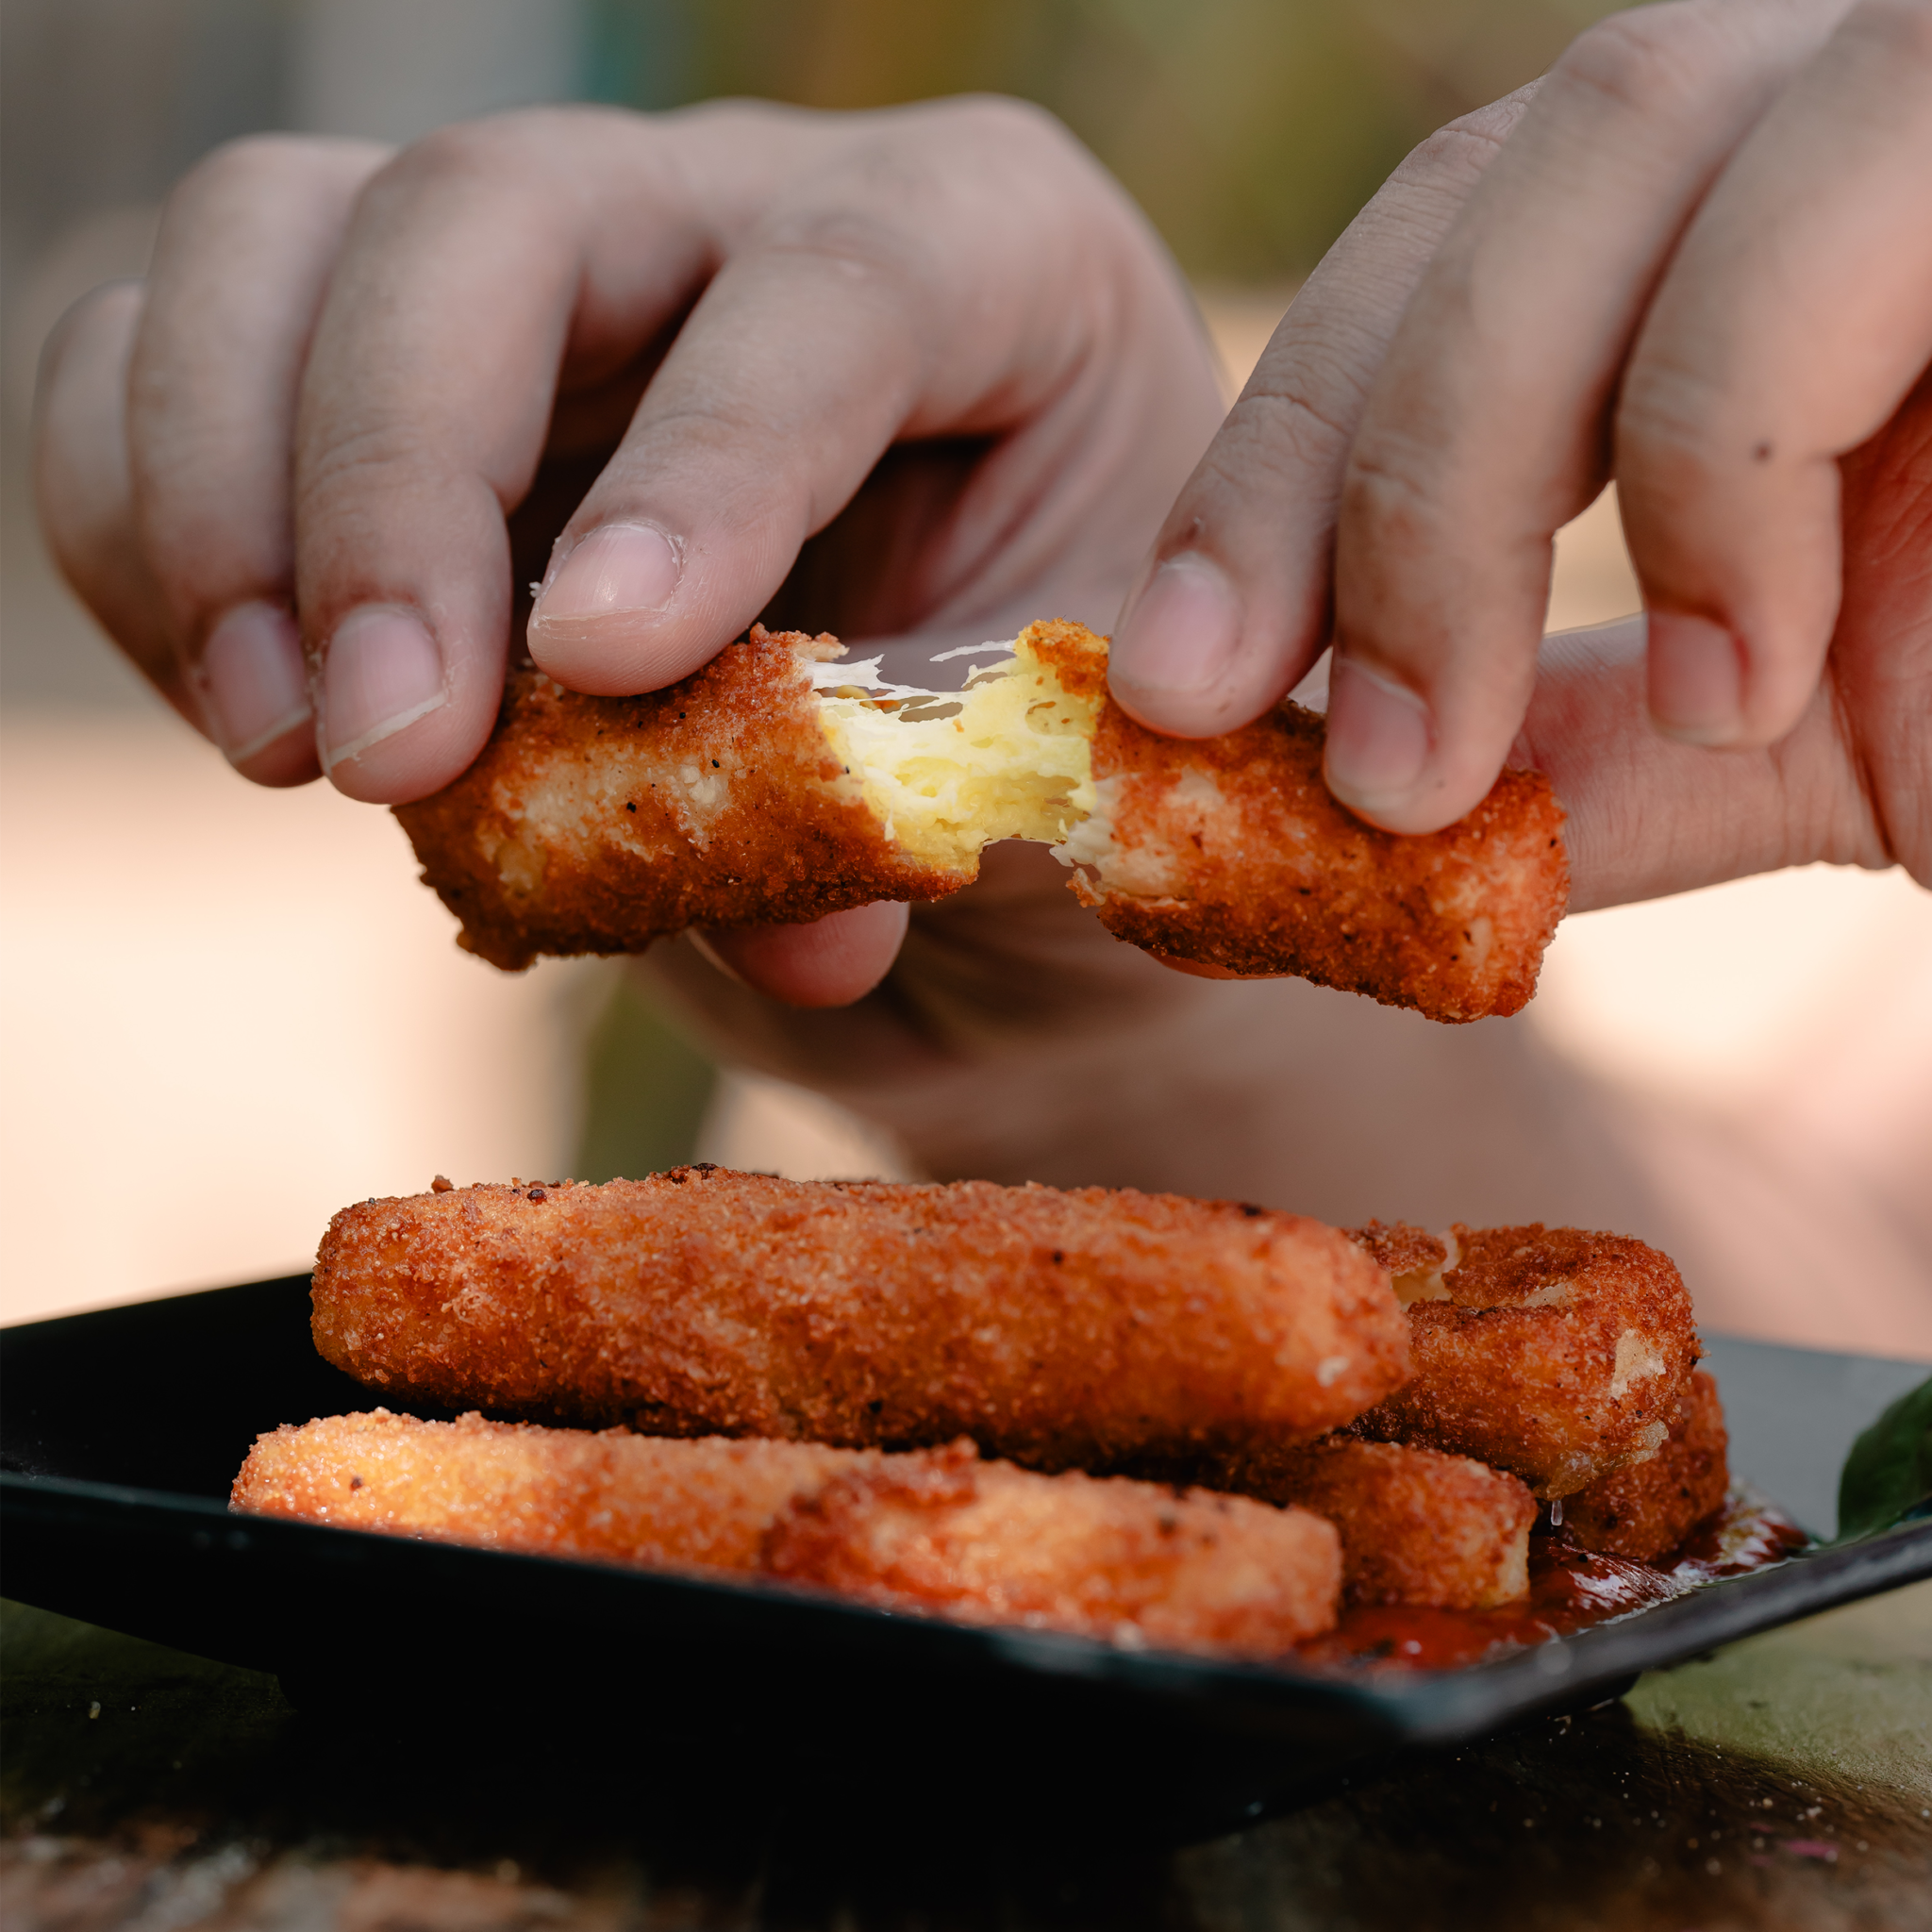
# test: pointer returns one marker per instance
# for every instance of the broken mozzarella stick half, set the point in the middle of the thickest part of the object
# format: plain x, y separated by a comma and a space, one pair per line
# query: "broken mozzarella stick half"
1553, 1352
1418, 1526
938, 1531
777, 785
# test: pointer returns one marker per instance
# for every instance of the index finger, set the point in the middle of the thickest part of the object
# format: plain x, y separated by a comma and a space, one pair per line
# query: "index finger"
1488, 427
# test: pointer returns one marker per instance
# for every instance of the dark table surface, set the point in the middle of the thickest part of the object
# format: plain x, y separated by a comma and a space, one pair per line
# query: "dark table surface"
1786, 1782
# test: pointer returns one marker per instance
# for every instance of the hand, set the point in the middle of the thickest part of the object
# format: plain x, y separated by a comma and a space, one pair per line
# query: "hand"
918, 377
1700, 263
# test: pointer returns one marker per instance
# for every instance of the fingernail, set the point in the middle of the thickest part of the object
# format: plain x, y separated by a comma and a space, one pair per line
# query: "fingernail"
1696, 678
1179, 638
383, 672
1378, 738
620, 568
251, 680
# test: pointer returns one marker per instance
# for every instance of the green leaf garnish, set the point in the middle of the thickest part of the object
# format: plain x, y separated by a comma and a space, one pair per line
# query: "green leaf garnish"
1888, 1476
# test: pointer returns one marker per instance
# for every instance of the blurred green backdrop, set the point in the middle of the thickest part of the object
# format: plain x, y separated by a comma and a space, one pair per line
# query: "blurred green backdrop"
1250, 130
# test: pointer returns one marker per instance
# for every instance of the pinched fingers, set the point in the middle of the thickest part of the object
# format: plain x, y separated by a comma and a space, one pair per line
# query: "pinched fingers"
1794, 319
480, 264
1488, 425
1233, 605
950, 271
244, 257
82, 487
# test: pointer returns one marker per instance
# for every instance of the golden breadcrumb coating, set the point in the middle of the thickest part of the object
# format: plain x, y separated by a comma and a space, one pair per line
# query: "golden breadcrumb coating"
1416, 1526
1647, 1508
1232, 852
597, 825
1101, 1556
1071, 1328
745, 795
1554, 1354
613, 1497
938, 1531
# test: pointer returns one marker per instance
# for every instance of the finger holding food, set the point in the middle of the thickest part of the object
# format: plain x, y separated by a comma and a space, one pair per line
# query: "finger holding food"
1084, 1327
1231, 853
1553, 1353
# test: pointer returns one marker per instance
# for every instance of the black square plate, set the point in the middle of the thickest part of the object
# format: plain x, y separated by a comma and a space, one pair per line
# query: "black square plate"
123, 1428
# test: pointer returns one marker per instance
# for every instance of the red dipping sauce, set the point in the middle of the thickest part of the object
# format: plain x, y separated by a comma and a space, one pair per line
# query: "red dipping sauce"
1570, 1590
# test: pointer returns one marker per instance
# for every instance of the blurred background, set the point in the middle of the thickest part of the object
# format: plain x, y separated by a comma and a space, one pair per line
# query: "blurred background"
229, 1011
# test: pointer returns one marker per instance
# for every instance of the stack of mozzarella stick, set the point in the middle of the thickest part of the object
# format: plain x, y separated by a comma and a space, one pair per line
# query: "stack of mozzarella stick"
1156, 1421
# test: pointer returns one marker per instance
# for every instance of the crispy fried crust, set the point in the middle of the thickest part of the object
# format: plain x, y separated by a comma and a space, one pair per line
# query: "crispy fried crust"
1647, 1508
1232, 853
613, 1497
1401, 1249
1552, 1353
1104, 1557
1416, 1526
1064, 1329
940, 1531
597, 825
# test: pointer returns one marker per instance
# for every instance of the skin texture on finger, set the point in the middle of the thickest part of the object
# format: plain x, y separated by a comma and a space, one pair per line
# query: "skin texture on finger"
960, 270
480, 265
243, 256
831, 963
1233, 605
84, 492
1796, 317
1487, 427
1647, 816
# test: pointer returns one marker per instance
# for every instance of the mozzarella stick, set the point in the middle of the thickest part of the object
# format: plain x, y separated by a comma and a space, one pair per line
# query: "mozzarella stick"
941, 1531
1083, 1329
1416, 1526
1646, 1509
1554, 1354
1136, 1562
1231, 853
598, 825
777, 785
611, 1497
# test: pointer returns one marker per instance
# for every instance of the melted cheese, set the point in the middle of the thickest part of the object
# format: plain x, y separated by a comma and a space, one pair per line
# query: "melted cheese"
1011, 757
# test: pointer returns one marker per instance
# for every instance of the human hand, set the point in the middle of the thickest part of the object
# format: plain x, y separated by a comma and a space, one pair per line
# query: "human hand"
917, 376
1700, 263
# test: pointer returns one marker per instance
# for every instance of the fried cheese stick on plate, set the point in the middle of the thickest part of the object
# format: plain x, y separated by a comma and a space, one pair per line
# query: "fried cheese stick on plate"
1645, 1509
775, 785
1084, 1327
940, 1531
1553, 1353
1418, 1526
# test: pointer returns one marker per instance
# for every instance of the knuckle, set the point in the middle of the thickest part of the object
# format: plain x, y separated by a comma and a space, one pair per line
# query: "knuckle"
1388, 493
1670, 418
1636, 63
457, 152
255, 164
380, 459
1468, 143
997, 124
873, 236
